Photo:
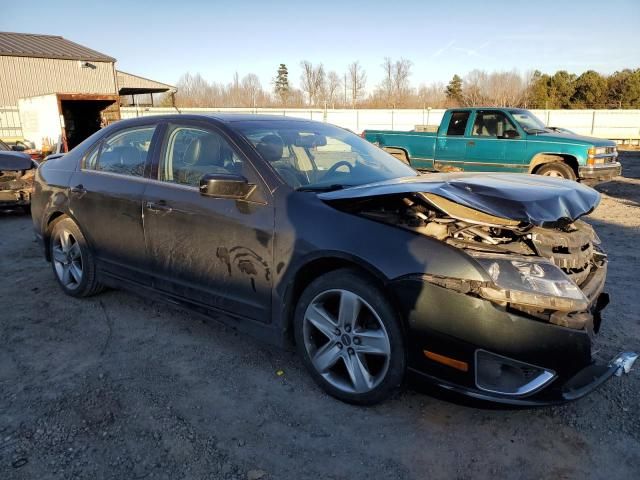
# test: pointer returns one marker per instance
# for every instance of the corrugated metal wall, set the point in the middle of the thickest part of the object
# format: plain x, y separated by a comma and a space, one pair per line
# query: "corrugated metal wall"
27, 77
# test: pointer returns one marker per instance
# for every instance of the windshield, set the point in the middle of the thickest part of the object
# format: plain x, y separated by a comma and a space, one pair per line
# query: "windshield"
319, 157
528, 121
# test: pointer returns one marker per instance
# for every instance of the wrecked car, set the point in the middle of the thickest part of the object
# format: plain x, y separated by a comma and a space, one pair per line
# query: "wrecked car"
17, 171
301, 233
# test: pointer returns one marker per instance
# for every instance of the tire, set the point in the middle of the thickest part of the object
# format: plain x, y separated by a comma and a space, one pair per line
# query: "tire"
361, 358
557, 169
72, 261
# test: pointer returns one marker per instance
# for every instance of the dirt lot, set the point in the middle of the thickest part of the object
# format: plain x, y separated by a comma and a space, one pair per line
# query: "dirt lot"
119, 387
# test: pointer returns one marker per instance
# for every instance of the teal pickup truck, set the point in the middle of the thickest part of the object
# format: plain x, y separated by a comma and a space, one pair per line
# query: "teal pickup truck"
502, 140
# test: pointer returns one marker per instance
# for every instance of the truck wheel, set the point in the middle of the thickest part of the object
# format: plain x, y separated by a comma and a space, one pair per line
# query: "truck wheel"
399, 154
557, 169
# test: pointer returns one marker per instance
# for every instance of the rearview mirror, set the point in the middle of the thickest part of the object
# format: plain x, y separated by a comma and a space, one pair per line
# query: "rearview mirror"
311, 141
226, 185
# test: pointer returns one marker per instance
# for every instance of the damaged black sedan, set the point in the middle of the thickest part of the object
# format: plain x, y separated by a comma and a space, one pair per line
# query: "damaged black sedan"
300, 232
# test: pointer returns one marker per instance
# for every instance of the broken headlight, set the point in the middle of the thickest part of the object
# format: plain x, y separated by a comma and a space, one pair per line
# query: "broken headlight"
531, 282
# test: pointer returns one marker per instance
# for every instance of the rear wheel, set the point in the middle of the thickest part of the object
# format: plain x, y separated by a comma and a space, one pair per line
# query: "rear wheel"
72, 261
349, 338
557, 169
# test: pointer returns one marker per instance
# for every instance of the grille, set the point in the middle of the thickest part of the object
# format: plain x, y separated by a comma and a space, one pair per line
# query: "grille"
572, 251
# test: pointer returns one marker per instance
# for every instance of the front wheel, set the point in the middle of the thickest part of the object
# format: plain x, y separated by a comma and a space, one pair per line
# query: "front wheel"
72, 261
350, 338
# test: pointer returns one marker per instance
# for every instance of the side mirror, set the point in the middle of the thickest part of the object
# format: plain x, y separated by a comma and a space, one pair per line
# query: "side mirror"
511, 134
18, 148
226, 185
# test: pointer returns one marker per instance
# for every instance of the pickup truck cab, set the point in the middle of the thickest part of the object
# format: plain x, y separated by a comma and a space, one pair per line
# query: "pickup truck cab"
502, 140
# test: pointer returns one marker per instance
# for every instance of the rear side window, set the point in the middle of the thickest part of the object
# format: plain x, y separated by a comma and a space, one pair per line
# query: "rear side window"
125, 152
458, 123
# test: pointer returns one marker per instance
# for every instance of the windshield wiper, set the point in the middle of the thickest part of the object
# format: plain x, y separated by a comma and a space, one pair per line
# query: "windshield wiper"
321, 188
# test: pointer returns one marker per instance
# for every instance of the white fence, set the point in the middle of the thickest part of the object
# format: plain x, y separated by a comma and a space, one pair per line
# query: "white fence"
621, 125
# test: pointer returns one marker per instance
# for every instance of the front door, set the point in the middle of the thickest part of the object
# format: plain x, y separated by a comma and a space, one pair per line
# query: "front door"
216, 252
494, 144
106, 200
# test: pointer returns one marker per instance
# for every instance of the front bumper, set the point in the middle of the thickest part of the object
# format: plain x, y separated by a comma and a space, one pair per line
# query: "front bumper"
457, 325
600, 173
582, 383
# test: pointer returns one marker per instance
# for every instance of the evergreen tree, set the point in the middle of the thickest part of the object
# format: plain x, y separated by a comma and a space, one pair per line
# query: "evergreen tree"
282, 87
590, 91
454, 89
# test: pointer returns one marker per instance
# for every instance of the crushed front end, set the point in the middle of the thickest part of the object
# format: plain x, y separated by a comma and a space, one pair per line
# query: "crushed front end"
525, 334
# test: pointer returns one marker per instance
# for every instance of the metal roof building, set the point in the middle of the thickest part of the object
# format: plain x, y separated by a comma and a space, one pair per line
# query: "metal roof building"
83, 82
32, 65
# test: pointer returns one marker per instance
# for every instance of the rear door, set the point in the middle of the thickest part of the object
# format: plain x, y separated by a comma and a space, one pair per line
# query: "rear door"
216, 252
106, 199
493, 144
451, 144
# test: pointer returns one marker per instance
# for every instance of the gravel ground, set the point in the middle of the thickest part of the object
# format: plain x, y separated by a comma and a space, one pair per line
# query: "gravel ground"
120, 387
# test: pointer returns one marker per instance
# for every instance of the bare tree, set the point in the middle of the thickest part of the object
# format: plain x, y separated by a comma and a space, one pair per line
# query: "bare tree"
432, 96
313, 81
502, 89
333, 85
385, 89
357, 82
401, 85
251, 88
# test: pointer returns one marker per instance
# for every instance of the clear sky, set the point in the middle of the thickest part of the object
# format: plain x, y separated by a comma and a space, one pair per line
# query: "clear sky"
164, 39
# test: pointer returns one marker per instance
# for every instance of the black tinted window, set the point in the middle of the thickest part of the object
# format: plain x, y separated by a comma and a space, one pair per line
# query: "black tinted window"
191, 152
458, 123
124, 152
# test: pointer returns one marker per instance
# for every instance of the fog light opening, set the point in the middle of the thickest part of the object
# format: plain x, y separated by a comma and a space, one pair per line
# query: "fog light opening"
505, 376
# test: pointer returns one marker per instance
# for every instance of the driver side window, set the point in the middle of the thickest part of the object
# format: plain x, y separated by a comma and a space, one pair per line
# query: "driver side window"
492, 124
191, 152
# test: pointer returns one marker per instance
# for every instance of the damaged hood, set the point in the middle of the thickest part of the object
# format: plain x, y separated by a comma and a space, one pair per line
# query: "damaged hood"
531, 199
15, 161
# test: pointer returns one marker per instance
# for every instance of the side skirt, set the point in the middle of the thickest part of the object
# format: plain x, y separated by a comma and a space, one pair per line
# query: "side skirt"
264, 332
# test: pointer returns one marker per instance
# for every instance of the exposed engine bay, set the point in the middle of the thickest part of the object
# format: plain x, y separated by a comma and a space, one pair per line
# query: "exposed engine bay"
16, 179
572, 246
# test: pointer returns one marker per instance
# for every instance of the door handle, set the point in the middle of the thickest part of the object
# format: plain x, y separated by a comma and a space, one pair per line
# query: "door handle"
157, 207
79, 191
471, 143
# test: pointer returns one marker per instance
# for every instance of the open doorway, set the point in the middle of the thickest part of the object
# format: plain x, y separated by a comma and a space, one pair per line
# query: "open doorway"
86, 114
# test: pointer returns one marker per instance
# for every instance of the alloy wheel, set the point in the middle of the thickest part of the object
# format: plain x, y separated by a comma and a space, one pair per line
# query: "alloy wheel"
346, 341
67, 259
